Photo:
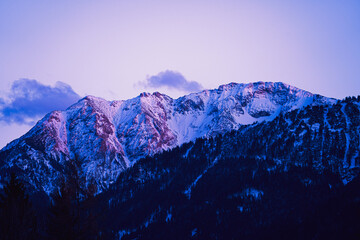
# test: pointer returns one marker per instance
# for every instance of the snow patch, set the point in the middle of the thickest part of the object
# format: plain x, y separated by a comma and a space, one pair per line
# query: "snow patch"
347, 136
252, 192
193, 232
168, 217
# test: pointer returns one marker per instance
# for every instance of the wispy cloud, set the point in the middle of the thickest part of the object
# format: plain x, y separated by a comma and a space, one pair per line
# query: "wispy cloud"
29, 99
172, 80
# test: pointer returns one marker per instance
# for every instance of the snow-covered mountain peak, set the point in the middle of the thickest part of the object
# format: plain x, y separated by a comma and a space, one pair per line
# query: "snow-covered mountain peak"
109, 136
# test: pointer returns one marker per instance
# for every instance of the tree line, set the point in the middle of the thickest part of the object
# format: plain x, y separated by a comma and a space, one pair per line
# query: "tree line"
68, 215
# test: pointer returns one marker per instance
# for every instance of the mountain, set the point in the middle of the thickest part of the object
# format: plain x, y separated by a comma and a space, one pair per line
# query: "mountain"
294, 177
107, 137
244, 161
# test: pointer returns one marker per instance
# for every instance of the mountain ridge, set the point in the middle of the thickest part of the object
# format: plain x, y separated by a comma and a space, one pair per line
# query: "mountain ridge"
110, 136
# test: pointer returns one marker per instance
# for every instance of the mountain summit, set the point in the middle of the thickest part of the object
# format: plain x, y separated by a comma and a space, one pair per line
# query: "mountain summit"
107, 137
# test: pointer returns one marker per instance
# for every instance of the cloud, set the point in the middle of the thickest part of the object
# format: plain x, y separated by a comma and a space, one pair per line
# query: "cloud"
29, 99
173, 80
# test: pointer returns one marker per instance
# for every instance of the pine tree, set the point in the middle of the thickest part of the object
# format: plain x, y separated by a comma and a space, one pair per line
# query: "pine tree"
71, 212
89, 226
64, 212
17, 217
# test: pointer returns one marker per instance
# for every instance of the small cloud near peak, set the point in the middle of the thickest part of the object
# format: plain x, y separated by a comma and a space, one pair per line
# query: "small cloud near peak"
171, 80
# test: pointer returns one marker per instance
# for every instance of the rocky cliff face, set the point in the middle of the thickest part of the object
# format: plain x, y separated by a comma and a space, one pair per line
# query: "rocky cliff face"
107, 137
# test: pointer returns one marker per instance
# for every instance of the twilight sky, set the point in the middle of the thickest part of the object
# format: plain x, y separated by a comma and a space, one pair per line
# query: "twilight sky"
54, 52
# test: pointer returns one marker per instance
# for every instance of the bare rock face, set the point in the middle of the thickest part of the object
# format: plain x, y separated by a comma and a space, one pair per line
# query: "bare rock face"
108, 137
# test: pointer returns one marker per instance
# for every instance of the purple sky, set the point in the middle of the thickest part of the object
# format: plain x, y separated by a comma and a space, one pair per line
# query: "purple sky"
117, 49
